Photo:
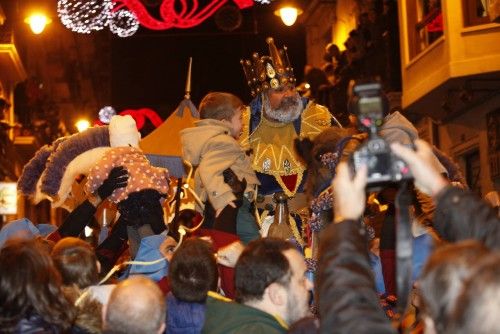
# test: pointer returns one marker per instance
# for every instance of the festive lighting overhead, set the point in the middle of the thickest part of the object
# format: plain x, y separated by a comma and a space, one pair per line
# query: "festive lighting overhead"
106, 113
84, 16
123, 23
124, 16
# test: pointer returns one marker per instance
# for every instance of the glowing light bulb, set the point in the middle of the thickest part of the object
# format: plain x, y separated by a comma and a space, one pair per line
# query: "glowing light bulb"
288, 15
82, 125
37, 22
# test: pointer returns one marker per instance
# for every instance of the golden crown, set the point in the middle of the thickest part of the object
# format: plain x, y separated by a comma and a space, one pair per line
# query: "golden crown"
266, 72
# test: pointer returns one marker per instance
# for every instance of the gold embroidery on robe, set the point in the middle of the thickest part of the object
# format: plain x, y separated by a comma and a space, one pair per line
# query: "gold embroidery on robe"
273, 143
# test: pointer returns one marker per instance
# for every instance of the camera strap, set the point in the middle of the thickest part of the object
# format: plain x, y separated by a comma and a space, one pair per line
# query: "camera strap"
404, 246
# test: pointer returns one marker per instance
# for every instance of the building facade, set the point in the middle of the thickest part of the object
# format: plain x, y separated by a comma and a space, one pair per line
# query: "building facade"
449, 70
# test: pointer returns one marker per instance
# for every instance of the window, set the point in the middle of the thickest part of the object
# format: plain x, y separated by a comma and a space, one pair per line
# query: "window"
425, 24
476, 12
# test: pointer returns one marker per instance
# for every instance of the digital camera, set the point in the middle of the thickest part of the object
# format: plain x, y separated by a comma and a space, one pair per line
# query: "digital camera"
369, 105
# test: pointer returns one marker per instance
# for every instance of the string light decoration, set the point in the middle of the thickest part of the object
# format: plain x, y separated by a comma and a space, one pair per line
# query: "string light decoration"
106, 113
123, 23
124, 16
84, 16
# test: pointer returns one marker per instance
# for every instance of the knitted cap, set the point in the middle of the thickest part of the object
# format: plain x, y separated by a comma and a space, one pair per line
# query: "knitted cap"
123, 131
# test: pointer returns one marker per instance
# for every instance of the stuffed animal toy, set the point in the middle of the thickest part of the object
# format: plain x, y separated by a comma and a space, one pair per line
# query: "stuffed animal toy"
140, 202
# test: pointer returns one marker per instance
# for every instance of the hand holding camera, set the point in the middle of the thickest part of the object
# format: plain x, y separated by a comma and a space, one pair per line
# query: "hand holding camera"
421, 161
349, 193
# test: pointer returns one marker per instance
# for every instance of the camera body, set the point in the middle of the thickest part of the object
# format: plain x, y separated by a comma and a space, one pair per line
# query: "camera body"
384, 166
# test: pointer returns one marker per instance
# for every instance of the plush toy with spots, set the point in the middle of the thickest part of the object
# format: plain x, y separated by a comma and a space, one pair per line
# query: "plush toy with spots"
140, 202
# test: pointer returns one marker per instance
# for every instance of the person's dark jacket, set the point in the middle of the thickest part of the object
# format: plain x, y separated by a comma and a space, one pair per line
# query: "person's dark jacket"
347, 300
184, 317
463, 215
34, 324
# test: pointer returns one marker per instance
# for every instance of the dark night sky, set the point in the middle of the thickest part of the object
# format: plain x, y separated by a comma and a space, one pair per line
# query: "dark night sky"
149, 69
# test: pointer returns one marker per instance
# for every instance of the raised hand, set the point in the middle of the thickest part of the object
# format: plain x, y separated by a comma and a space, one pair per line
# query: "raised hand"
422, 165
117, 178
349, 195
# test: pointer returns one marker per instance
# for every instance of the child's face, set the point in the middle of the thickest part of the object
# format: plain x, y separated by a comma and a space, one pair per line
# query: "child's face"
236, 123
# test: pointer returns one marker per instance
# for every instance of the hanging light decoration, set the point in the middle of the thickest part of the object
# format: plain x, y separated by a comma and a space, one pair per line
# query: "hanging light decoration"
124, 16
106, 113
84, 16
123, 23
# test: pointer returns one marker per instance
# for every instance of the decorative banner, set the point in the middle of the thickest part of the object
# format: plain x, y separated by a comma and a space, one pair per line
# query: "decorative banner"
8, 198
124, 16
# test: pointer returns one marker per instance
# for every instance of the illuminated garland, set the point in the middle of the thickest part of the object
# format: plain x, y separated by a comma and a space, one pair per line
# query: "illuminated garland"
123, 23
84, 16
106, 113
124, 16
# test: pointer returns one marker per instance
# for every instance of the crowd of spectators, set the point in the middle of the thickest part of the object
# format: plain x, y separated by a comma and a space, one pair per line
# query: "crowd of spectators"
48, 288
217, 277
366, 53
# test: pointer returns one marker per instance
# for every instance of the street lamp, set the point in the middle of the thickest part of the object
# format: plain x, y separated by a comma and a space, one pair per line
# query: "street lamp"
82, 125
288, 13
37, 22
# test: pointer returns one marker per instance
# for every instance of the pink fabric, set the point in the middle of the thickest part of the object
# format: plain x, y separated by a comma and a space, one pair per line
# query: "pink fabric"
141, 174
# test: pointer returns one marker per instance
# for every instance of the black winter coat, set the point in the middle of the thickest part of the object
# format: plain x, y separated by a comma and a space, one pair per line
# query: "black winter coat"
347, 299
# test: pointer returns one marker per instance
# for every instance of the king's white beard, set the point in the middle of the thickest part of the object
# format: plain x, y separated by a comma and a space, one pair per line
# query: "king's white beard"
288, 111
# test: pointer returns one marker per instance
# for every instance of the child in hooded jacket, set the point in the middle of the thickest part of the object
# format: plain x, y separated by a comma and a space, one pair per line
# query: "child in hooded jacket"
224, 178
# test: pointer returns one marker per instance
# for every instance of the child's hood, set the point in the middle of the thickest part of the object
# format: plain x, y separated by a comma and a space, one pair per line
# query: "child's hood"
194, 139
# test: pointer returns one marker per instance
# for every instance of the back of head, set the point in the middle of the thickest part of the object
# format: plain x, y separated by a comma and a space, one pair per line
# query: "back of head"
136, 305
29, 282
444, 276
76, 261
478, 307
219, 106
193, 271
261, 263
